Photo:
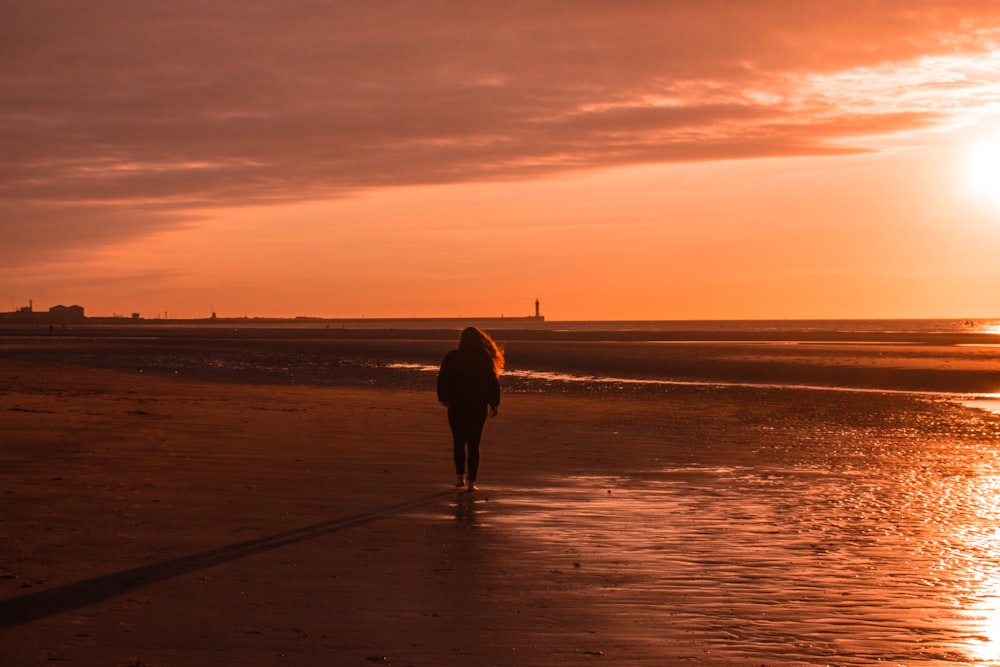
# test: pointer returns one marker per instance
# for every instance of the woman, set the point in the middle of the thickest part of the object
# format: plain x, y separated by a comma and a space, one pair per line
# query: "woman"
469, 387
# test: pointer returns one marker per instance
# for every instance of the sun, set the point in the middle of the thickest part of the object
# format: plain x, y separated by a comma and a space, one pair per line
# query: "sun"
982, 169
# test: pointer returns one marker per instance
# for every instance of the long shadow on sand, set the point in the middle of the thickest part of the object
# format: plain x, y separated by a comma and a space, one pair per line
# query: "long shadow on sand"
35, 606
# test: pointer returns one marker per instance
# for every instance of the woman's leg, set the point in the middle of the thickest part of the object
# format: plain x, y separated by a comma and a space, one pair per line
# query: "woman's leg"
456, 422
474, 434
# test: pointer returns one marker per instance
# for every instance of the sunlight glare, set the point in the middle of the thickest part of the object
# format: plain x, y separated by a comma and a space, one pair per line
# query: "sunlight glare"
981, 539
982, 169
985, 644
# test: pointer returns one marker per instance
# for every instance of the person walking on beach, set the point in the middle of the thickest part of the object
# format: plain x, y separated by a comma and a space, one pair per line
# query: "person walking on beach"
468, 385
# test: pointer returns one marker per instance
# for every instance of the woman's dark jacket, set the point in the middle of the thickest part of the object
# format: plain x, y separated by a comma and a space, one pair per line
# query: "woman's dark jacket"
468, 380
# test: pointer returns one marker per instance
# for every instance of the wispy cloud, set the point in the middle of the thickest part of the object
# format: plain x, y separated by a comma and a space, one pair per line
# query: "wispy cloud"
118, 116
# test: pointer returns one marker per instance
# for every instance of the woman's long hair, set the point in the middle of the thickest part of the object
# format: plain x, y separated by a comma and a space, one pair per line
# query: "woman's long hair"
477, 341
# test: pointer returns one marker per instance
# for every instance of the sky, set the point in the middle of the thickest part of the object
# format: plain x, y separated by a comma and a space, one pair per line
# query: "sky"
726, 159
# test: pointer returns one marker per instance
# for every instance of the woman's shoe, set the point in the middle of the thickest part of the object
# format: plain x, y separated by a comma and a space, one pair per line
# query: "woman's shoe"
460, 480
472, 486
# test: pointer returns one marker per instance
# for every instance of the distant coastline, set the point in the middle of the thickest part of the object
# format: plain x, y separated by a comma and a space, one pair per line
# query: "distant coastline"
46, 319
75, 314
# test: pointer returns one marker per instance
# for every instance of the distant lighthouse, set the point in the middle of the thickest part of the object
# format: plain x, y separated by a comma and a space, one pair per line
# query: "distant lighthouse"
537, 312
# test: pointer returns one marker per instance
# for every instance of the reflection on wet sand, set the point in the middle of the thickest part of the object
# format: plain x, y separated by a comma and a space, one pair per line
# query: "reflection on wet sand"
469, 509
849, 566
981, 539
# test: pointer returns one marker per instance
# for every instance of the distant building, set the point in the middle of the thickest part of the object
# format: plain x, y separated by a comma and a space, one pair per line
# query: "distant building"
66, 312
54, 314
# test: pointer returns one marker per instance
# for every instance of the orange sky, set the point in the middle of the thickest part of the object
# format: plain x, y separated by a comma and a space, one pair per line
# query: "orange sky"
627, 160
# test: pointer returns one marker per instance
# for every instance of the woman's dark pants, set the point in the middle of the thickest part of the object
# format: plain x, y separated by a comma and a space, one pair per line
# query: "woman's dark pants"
466, 424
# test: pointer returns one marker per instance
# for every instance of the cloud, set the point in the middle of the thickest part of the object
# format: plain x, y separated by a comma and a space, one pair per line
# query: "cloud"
115, 113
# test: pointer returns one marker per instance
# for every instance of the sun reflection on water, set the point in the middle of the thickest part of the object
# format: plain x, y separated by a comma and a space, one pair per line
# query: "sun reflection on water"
984, 642
981, 539
877, 560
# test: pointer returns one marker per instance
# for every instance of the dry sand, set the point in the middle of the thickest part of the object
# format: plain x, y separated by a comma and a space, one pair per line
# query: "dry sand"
158, 521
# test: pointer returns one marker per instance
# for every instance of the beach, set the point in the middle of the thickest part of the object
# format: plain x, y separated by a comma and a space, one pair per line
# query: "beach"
285, 499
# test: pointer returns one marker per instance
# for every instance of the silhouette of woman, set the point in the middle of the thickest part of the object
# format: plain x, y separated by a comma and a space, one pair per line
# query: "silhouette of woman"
468, 386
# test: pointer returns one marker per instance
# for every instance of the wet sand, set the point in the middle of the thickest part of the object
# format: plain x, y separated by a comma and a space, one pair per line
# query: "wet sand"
179, 518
